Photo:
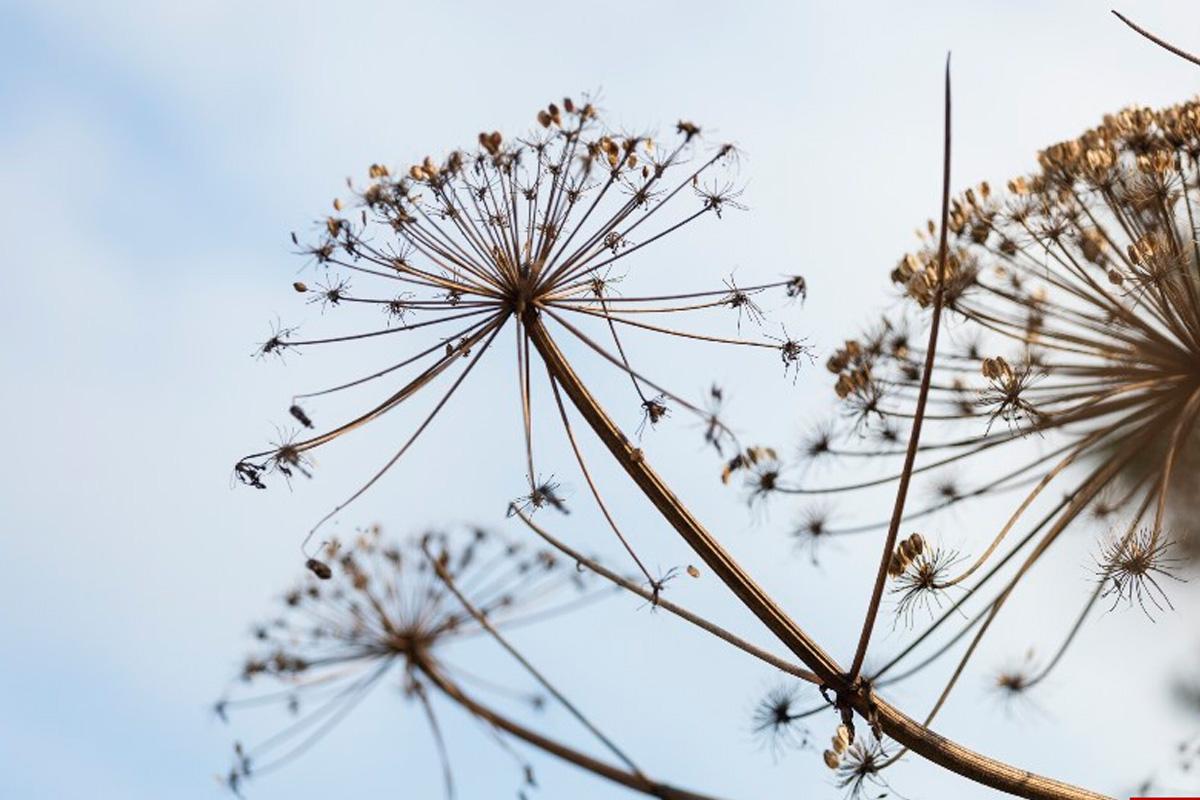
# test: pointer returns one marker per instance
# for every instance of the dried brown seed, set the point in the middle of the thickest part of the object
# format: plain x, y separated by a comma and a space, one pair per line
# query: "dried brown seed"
319, 568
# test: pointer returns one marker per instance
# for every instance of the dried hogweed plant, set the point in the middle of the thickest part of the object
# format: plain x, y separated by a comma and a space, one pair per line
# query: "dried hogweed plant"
525, 234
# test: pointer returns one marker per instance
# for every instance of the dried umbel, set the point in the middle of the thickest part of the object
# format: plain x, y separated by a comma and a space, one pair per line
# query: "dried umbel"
388, 614
920, 572
1072, 378
860, 766
1075, 297
384, 614
531, 234
1134, 568
1088, 273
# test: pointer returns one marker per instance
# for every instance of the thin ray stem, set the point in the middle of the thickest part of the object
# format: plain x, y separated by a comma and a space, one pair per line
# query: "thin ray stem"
1164, 45
617, 775
524, 662
587, 475
660, 602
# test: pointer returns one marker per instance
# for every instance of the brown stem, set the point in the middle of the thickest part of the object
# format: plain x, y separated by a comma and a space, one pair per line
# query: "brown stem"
631, 780
1164, 45
667, 605
905, 730
914, 438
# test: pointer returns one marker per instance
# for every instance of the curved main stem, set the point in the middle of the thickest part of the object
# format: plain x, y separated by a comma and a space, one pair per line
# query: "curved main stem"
905, 730
626, 778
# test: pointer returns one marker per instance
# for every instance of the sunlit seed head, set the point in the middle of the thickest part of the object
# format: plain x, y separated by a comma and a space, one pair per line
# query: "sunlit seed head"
1136, 566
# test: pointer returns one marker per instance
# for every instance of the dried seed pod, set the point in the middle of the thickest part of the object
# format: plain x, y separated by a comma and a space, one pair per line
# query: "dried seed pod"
842, 738
301, 417
897, 566
319, 568
996, 369
300, 286
491, 142
832, 759
691, 570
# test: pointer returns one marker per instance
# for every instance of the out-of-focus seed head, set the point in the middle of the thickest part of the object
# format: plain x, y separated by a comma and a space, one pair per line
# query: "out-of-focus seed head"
777, 723
373, 609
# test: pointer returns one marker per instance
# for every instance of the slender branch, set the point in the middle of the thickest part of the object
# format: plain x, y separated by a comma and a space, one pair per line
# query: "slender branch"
1164, 45
881, 574
438, 740
630, 780
660, 602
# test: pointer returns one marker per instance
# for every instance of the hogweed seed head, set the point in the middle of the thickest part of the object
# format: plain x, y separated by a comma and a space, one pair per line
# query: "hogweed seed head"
1077, 292
523, 233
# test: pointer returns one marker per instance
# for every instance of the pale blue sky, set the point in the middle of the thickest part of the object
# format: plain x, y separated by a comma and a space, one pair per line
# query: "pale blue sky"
153, 158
